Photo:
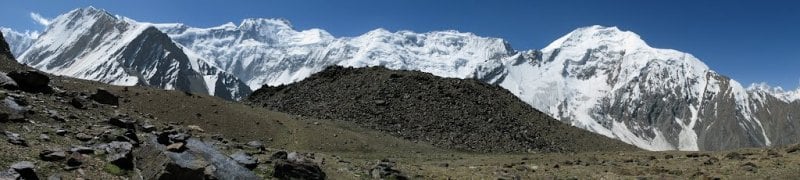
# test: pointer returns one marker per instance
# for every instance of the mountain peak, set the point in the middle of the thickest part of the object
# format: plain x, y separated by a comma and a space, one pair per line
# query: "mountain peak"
595, 36
250, 23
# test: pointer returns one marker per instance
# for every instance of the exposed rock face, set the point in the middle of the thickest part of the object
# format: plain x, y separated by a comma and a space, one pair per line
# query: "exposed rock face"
92, 44
5, 50
450, 113
31, 81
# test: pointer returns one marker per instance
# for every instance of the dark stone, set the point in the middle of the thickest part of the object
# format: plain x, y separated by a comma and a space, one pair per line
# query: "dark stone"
80, 102
11, 110
31, 81
749, 166
50, 155
103, 96
53, 114
25, 169
711, 161
82, 150
122, 121
245, 160
285, 169
734, 156
75, 159
16, 139
280, 155
119, 154
793, 148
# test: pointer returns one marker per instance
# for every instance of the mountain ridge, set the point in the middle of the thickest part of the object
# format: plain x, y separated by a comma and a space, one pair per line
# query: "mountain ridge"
598, 78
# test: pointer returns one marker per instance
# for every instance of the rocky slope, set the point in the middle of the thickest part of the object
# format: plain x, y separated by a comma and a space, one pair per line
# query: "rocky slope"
450, 113
92, 44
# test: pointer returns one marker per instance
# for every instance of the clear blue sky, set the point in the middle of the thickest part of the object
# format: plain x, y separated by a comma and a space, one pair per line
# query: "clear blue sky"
751, 41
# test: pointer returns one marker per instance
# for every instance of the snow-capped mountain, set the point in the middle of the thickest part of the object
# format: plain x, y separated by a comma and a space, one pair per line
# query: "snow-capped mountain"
270, 51
598, 78
92, 44
19, 41
601, 79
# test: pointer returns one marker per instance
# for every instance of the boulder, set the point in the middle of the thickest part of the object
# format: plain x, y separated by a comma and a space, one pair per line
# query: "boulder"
119, 154
52, 155
75, 159
15, 139
296, 167
25, 169
384, 170
31, 81
245, 160
103, 96
80, 102
11, 111
6, 82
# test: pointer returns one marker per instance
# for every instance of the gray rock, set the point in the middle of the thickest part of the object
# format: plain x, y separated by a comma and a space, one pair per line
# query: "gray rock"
83, 137
122, 121
52, 155
245, 160
61, 132
384, 170
103, 96
44, 138
280, 155
25, 169
119, 154
54, 177
10, 110
6, 82
256, 144
16, 139
9, 174
148, 127
80, 102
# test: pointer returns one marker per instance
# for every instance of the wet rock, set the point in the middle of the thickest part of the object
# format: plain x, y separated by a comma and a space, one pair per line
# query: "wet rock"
15, 139
83, 137
80, 102
119, 154
296, 167
25, 170
31, 81
383, 170
245, 160
103, 96
51, 155
6, 82
734, 156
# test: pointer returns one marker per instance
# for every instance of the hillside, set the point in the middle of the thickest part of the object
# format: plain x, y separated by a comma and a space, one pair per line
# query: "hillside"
447, 112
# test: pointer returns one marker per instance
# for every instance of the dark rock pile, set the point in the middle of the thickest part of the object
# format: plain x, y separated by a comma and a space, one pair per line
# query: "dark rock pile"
462, 114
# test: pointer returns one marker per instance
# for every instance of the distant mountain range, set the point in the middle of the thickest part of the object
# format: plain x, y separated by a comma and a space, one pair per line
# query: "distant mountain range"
601, 79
